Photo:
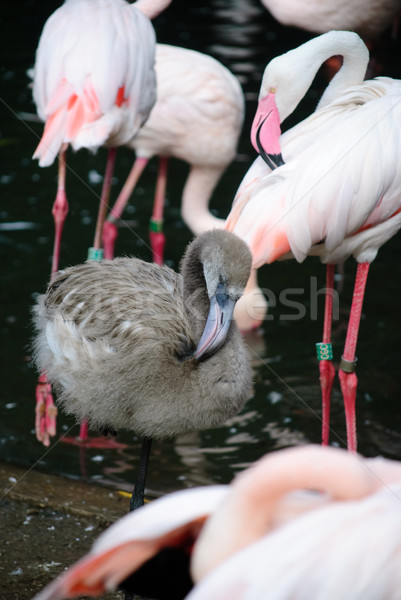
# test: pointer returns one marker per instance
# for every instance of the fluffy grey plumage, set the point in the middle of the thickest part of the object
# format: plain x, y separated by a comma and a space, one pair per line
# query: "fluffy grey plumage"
116, 339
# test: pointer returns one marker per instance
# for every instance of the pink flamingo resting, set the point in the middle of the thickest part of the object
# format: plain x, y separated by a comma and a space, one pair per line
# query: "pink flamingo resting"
314, 511
338, 193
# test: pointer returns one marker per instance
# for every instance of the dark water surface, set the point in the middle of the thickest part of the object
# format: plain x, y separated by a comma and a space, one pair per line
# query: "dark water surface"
285, 409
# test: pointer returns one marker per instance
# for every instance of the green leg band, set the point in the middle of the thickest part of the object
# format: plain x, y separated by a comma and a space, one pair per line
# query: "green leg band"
156, 226
324, 351
95, 254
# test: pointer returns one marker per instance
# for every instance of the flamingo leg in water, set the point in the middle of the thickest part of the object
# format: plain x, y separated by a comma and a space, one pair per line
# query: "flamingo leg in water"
347, 375
60, 209
83, 431
110, 228
157, 237
325, 355
46, 411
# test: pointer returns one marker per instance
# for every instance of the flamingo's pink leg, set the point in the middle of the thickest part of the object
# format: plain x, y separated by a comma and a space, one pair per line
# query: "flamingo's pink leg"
110, 228
104, 199
347, 375
60, 209
45, 412
157, 237
83, 431
325, 355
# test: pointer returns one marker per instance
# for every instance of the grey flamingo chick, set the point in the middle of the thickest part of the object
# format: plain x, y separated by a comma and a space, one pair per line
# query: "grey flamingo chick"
132, 345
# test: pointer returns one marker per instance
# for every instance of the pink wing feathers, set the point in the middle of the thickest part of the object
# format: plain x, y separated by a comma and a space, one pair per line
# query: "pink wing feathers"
90, 94
170, 521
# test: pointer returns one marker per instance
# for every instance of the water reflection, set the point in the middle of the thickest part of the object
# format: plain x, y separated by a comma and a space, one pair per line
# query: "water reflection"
285, 409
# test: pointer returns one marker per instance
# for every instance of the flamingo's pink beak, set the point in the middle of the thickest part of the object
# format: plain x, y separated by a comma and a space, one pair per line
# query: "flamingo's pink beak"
265, 132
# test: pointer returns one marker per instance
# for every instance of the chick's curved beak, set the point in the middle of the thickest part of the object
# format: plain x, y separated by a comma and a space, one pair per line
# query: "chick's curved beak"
217, 324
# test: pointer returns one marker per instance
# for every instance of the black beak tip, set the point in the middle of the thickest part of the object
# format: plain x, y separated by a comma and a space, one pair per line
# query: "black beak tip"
273, 161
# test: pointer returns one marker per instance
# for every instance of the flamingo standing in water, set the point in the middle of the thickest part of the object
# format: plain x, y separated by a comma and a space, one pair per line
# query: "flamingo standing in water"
93, 85
338, 193
268, 534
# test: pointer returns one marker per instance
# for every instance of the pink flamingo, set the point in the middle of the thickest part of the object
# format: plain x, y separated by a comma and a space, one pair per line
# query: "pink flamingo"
273, 505
83, 106
338, 193
197, 118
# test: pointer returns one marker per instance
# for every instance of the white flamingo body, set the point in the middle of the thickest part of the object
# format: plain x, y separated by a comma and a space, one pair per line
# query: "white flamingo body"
299, 137
199, 110
197, 118
94, 80
368, 18
338, 195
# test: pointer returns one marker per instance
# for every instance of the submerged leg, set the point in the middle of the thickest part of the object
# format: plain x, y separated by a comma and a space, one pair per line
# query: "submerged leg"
347, 375
325, 355
110, 228
157, 237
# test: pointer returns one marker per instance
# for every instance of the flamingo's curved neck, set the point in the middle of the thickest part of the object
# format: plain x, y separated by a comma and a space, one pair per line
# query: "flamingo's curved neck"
352, 72
247, 513
296, 69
